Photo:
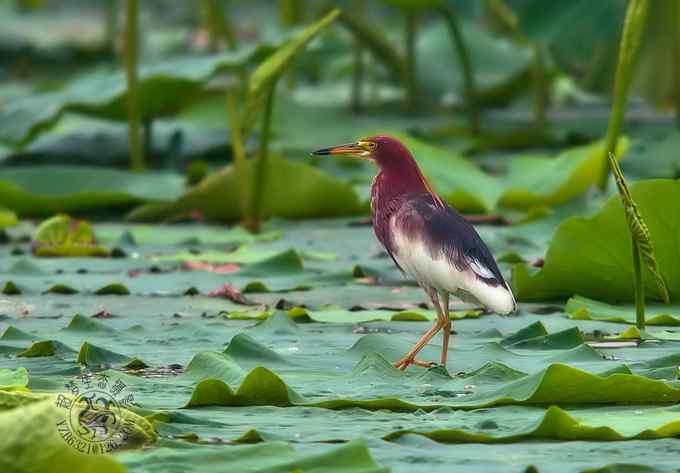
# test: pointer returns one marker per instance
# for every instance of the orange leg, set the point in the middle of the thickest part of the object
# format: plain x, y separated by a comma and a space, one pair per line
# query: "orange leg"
427, 336
410, 356
446, 327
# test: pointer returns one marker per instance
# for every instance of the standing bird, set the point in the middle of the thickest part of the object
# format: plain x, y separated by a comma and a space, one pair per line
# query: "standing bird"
427, 239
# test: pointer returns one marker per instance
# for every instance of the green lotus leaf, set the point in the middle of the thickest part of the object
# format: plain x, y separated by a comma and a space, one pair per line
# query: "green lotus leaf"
591, 256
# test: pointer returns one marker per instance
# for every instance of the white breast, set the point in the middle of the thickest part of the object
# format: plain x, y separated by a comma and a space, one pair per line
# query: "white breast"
437, 272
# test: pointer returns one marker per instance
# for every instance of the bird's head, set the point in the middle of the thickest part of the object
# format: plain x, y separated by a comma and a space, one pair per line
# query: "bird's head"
399, 170
385, 151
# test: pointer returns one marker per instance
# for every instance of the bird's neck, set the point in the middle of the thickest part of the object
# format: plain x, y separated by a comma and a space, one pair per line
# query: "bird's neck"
393, 182
400, 178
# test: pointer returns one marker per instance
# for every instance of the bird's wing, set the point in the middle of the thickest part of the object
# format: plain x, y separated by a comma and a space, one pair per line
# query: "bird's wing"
445, 231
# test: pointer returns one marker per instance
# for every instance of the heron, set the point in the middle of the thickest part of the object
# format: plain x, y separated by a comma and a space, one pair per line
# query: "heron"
427, 239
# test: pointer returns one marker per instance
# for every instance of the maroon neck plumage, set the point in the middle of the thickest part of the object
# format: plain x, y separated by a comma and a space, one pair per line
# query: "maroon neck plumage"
399, 173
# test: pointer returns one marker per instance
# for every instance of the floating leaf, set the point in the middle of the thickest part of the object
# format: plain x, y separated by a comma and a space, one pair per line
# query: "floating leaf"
560, 425
92, 355
511, 381
115, 289
24, 421
13, 333
263, 387
47, 348
135, 364
582, 308
352, 457
63, 236
7, 218
244, 349
61, 289
11, 289
81, 324
214, 365
211, 392
13, 380
26, 426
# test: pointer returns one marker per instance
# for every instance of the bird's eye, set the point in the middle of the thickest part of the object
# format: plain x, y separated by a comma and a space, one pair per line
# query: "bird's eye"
371, 145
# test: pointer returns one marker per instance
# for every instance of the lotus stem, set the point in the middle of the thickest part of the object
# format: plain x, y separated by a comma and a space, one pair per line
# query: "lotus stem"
131, 54
633, 27
262, 161
639, 288
540, 86
218, 24
469, 86
239, 158
228, 31
675, 31
411, 97
373, 39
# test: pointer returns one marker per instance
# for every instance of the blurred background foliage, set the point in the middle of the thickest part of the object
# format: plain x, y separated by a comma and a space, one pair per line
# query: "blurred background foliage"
503, 101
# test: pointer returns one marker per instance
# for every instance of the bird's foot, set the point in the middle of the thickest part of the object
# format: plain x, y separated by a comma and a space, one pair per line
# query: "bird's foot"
407, 361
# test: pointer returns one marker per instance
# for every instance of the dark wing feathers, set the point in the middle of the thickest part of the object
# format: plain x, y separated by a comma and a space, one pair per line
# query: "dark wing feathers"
444, 231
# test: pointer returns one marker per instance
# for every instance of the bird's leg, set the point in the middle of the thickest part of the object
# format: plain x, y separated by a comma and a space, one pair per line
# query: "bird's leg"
427, 336
446, 327
409, 358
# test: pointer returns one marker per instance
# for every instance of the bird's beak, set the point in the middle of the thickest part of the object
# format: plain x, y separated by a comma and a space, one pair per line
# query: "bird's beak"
350, 149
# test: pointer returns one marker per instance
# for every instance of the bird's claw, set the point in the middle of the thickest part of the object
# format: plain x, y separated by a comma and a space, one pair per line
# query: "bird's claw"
407, 361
